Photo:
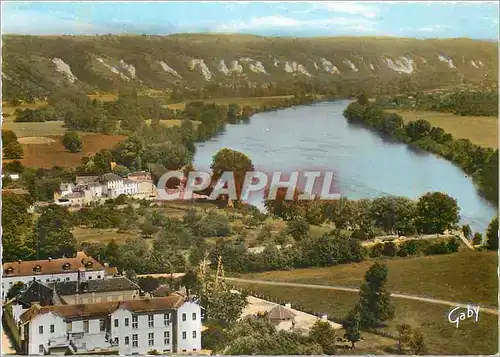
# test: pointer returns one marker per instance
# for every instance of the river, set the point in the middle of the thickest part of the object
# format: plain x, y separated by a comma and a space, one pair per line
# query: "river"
365, 164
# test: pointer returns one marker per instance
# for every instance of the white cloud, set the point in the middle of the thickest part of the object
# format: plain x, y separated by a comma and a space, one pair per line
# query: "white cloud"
351, 8
430, 28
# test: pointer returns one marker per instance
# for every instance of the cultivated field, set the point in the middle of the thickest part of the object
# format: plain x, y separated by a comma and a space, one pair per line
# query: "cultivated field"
482, 131
54, 153
250, 101
441, 337
466, 277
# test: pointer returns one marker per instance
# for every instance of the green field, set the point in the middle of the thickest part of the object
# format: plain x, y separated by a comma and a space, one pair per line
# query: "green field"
441, 336
482, 131
464, 277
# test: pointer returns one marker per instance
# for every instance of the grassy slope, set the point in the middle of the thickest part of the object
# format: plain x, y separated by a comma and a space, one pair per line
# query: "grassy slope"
462, 277
441, 337
482, 131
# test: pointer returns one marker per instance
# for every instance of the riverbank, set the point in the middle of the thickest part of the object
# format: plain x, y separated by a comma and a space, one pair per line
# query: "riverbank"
478, 162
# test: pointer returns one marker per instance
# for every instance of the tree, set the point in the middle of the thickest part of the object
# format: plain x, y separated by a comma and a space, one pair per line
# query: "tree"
72, 141
390, 249
351, 326
148, 284
17, 228
190, 281
15, 290
417, 343
492, 235
374, 300
436, 212
477, 239
405, 335
467, 231
148, 229
363, 99
234, 161
323, 334
298, 228
53, 233
225, 306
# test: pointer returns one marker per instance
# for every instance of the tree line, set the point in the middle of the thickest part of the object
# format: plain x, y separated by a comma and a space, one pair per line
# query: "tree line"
463, 102
481, 163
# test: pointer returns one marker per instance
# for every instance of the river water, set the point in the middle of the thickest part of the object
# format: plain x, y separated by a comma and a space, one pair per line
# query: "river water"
365, 164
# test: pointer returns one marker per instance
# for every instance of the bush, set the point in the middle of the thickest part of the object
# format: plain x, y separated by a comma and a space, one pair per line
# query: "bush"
298, 228
72, 141
214, 225
407, 248
376, 250
390, 249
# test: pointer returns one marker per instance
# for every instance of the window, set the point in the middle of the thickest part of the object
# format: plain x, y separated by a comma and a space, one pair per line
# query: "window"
134, 321
183, 317
86, 326
69, 326
126, 321
127, 340
194, 316
166, 319
102, 325
166, 338
151, 339
41, 349
90, 278
67, 279
117, 340
40, 330
52, 328
135, 341
194, 334
151, 322
98, 277
184, 335
116, 322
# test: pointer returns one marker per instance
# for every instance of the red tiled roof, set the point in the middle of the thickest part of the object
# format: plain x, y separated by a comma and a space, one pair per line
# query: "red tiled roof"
105, 308
53, 266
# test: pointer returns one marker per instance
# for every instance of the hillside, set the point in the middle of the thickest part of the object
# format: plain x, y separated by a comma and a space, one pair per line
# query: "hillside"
226, 65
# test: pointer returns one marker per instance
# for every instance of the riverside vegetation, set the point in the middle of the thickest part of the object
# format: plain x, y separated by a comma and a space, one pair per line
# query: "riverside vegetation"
481, 163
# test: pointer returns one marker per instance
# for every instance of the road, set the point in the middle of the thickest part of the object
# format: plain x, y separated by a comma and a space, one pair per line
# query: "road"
354, 290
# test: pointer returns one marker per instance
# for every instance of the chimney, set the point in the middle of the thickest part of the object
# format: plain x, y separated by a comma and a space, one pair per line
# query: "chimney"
288, 305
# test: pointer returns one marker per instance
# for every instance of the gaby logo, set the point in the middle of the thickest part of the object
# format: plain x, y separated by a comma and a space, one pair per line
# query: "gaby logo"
237, 186
455, 316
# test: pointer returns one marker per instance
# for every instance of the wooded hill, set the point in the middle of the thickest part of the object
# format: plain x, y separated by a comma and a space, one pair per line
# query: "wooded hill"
241, 65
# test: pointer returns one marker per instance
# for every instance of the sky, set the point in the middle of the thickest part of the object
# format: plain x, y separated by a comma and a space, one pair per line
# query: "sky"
478, 20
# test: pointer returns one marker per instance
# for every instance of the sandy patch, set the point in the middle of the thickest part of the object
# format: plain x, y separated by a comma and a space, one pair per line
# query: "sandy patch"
35, 140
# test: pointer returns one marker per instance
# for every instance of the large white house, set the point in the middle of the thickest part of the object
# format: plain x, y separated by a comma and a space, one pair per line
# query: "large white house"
114, 185
166, 325
81, 267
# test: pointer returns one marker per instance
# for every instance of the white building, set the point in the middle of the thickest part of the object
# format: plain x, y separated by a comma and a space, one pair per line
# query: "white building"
114, 186
81, 267
167, 325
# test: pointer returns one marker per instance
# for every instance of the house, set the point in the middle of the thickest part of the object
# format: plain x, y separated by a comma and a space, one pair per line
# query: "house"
81, 267
145, 185
281, 317
73, 199
89, 291
114, 185
170, 324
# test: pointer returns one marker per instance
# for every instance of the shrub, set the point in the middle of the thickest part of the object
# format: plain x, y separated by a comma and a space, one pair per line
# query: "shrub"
377, 250
72, 141
298, 228
214, 225
390, 249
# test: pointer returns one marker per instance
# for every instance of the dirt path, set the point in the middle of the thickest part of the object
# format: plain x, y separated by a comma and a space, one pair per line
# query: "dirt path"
342, 288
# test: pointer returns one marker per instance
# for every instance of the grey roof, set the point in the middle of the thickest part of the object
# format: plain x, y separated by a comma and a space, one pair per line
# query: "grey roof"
36, 292
110, 177
96, 286
86, 179
280, 312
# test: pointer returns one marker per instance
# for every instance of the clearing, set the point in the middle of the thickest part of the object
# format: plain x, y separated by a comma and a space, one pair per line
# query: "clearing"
469, 276
480, 130
54, 153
